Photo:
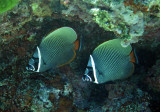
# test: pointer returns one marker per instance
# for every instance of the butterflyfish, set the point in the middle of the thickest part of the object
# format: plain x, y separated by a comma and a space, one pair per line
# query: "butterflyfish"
109, 62
56, 49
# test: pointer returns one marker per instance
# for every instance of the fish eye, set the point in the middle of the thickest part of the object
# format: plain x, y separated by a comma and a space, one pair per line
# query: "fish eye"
30, 67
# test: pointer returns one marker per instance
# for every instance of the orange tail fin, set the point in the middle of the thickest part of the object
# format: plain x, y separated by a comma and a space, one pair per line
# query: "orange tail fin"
77, 44
133, 57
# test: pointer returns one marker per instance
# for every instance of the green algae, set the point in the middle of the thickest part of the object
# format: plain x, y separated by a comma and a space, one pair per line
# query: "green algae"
7, 5
104, 20
41, 10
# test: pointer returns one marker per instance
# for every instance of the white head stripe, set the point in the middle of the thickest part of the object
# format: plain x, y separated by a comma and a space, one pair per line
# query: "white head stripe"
39, 57
94, 69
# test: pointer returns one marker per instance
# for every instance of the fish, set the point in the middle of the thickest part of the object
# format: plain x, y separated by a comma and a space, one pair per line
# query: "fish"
57, 49
110, 62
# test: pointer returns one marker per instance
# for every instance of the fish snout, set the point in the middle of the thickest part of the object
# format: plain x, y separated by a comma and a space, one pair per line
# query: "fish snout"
30, 67
86, 78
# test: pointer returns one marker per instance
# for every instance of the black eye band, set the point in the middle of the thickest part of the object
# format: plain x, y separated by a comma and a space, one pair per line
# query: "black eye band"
90, 72
89, 69
35, 64
35, 59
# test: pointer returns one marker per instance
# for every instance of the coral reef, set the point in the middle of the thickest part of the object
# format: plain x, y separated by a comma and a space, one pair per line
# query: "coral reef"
128, 19
153, 79
126, 97
40, 10
61, 89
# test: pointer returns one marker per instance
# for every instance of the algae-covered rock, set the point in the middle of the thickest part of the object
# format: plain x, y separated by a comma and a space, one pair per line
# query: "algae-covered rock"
6, 5
41, 10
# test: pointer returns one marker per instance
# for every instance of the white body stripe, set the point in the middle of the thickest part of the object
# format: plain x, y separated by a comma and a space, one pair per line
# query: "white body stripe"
39, 57
94, 69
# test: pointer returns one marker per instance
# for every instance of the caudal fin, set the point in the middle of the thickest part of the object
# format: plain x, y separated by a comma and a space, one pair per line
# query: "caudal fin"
133, 56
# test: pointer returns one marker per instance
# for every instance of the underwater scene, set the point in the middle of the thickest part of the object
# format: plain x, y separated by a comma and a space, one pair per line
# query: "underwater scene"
79, 55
